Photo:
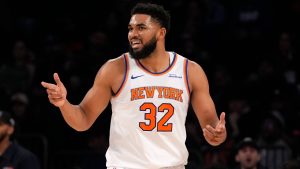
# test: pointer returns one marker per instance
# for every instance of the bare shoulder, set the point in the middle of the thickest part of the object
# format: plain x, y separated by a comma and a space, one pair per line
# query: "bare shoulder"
194, 67
196, 75
115, 65
112, 72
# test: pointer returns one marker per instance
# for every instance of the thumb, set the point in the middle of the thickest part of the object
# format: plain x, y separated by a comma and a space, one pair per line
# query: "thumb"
57, 79
222, 118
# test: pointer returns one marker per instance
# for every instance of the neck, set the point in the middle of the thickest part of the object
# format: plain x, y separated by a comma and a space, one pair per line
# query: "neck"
4, 144
158, 61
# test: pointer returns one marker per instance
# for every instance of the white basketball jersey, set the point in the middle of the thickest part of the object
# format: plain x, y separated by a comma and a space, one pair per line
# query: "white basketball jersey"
148, 117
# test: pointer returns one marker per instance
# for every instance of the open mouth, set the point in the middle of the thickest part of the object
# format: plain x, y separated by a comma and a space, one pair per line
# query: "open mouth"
135, 43
248, 160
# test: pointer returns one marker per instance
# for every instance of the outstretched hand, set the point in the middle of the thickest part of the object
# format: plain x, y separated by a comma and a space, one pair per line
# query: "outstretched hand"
217, 135
57, 93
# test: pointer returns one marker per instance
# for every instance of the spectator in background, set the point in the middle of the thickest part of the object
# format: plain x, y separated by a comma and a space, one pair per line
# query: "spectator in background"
292, 164
248, 154
20, 68
275, 150
13, 155
19, 103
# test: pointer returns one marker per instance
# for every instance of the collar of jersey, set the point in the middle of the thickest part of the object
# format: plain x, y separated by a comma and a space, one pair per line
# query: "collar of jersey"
158, 73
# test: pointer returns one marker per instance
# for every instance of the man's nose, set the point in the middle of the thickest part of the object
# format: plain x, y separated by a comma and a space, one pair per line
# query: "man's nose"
133, 33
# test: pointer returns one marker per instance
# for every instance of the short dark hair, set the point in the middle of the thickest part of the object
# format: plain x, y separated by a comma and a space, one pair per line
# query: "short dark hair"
157, 12
247, 141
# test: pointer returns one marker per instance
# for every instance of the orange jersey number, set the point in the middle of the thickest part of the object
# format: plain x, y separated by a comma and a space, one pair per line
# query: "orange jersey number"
162, 124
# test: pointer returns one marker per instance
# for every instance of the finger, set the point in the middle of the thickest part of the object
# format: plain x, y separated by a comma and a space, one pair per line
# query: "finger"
221, 124
57, 79
49, 86
55, 98
210, 129
51, 92
222, 118
44, 84
54, 94
55, 101
220, 130
208, 134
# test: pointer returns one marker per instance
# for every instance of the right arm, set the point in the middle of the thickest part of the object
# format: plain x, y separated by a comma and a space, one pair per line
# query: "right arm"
214, 129
80, 117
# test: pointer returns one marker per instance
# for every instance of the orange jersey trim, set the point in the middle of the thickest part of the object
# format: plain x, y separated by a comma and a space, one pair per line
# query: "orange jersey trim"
125, 76
186, 77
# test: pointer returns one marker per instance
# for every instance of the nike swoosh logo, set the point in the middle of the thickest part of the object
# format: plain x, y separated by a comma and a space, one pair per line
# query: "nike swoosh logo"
134, 77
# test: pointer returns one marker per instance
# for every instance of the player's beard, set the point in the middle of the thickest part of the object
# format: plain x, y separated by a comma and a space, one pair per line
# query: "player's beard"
145, 51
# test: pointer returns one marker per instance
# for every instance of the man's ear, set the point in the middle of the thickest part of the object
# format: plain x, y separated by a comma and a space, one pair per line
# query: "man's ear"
162, 33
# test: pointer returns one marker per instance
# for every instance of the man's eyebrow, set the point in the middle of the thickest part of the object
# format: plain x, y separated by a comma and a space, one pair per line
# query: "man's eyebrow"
139, 24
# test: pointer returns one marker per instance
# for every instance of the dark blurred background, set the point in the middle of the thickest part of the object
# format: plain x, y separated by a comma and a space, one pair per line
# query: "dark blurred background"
249, 50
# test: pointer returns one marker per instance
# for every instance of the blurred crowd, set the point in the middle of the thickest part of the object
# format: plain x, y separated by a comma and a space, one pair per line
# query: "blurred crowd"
249, 50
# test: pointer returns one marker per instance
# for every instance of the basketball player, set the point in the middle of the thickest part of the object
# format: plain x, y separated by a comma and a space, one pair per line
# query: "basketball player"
149, 89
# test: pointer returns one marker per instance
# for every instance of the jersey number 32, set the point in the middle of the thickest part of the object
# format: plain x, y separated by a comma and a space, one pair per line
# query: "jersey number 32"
162, 125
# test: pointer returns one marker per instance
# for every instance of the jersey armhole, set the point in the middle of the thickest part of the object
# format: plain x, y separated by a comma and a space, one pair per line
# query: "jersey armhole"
186, 77
124, 77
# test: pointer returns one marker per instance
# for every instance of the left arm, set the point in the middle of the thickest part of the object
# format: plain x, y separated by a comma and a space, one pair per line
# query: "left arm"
214, 129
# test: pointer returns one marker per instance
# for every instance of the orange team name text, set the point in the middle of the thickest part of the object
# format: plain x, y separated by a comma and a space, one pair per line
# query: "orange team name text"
162, 92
